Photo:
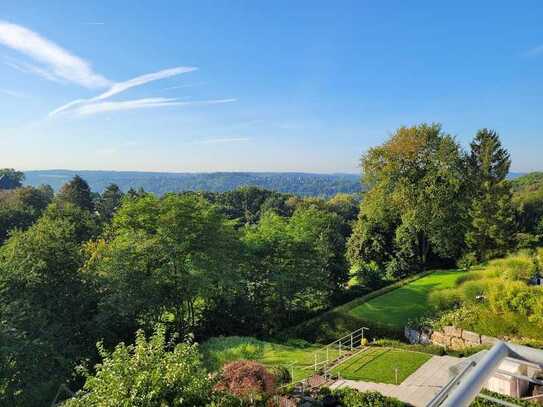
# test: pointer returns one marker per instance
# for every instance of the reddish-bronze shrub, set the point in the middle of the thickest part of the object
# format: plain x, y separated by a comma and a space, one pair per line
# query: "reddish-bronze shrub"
246, 379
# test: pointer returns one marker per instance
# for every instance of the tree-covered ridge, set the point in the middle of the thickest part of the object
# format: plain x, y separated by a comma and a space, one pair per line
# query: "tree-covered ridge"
159, 183
528, 182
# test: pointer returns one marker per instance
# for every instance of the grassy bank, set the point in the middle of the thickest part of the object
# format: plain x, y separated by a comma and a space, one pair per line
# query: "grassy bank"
384, 311
410, 301
219, 351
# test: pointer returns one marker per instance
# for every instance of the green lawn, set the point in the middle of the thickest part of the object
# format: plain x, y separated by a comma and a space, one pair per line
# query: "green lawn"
396, 307
222, 350
378, 365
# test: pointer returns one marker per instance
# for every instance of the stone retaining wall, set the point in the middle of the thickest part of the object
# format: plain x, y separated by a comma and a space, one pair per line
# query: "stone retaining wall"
449, 337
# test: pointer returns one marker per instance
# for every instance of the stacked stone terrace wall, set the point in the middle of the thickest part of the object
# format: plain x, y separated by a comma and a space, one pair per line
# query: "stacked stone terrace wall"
449, 337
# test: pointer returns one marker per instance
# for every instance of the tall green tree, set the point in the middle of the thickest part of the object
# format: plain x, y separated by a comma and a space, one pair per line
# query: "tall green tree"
528, 202
21, 207
417, 187
161, 261
286, 269
246, 204
492, 227
109, 201
77, 192
345, 205
46, 309
324, 229
11, 179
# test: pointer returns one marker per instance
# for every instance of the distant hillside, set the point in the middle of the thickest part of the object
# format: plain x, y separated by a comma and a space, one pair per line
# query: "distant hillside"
160, 183
528, 183
515, 175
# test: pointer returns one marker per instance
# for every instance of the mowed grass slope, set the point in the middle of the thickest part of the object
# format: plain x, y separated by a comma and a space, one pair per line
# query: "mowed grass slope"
219, 351
385, 311
396, 307
379, 364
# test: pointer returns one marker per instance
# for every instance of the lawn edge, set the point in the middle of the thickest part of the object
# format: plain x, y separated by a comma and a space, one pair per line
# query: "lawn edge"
370, 296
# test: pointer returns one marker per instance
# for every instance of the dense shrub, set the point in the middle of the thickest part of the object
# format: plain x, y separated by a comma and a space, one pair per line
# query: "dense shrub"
467, 352
519, 267
430, 349
354, 291
474, 291
369, 274
246, 379
467, 261
496, 300
352, 398
445, 299
147, 374
281, 375
480, 402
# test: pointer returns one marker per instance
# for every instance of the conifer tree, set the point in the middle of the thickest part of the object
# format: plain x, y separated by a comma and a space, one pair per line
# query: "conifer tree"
492, 228
109, 202
77, 192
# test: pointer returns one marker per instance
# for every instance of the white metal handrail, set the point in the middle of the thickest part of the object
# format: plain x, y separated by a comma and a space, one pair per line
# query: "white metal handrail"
348, 343
469, 386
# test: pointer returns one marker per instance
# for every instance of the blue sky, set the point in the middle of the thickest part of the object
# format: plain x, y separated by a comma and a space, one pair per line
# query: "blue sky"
261, 85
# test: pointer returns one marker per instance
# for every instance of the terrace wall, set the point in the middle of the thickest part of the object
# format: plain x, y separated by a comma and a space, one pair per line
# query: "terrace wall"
449, 337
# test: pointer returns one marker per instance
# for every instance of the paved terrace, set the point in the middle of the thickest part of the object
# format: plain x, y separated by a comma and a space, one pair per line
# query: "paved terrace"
418, 389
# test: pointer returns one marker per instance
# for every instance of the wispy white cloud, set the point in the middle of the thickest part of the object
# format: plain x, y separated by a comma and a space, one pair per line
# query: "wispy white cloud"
187, 85
58, 62
13, 93
143, 79
54, 63
223, 140
120, 87
33, 69
535, 51
146, 103
102, 107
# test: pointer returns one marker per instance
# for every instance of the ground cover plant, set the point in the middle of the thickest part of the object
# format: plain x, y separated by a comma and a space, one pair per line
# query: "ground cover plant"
497, 299
377, 364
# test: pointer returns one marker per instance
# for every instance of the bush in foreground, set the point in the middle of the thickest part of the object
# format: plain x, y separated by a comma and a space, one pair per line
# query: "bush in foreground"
353, 398
147, 374
246, 379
